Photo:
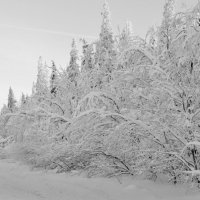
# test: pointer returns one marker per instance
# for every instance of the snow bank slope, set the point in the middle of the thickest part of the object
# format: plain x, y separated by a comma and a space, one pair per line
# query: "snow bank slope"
18, 182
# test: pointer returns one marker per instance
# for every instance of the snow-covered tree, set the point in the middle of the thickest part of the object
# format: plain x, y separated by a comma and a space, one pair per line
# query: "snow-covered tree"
11, 101
23, 99
132, 107
126, 37
87, 63
106, 34
41, 86
4, 110
105, 47
165, 35
53, 79
73, 68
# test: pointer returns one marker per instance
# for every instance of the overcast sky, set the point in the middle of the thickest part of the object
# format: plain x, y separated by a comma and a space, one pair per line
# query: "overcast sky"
33, 28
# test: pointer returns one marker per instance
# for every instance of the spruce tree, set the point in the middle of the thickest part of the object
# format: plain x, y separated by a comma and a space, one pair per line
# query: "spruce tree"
53, 79
105, 55
73, 68
106, 34
87, 62
23, 99
11, 101
126, 37
105, 45
166, 26
4, 110
41, 86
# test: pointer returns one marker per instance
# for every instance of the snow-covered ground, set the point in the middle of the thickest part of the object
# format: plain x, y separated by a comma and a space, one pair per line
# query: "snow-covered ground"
19, 182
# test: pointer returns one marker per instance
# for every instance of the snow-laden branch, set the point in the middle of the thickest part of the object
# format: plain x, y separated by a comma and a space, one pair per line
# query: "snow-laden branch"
190, 144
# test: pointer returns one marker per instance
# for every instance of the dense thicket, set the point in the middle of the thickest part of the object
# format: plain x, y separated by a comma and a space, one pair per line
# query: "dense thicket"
127, 106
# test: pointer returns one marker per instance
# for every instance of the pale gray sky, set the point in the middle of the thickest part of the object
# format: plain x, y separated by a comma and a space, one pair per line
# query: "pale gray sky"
33, 28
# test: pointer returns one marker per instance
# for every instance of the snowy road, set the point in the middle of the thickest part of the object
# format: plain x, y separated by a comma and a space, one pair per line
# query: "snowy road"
18, 182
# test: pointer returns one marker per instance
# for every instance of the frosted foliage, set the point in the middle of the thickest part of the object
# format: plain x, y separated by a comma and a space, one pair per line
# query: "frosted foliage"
96, 100
87, 58
4, 110
105, 48
131, 107
133, 57
168, 11
41, 85
165, 33
53, 79
11, 101
106, 30
126, 37
73, 68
